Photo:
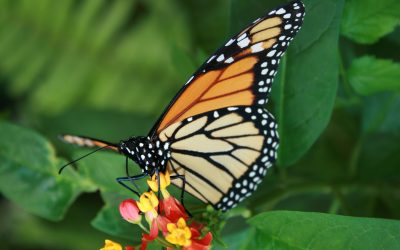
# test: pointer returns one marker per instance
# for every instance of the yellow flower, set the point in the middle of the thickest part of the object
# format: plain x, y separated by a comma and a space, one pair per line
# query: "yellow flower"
111, 245
179, 234
147, 202
165, 181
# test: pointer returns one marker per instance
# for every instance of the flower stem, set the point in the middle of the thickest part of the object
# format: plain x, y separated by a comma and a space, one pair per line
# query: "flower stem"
144, 228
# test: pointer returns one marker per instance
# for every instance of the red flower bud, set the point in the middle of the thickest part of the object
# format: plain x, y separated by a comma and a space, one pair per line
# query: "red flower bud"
130, 211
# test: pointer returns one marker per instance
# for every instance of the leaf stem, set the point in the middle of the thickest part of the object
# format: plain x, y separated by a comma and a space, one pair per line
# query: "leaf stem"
334, 208
355, 156
337, 192
298, 187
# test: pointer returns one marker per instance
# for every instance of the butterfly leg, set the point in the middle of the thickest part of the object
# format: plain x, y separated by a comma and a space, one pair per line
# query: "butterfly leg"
127, 174
122, 180
183, 179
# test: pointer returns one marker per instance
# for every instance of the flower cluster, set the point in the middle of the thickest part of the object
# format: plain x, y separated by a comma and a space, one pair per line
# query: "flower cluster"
168, 222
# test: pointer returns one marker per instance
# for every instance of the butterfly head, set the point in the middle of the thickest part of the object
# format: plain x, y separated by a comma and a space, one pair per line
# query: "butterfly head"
141, 150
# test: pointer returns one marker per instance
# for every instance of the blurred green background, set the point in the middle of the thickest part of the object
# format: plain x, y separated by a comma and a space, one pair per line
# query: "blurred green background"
107, 69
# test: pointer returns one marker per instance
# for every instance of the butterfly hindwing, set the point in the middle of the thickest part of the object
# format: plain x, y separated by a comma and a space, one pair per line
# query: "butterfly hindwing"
241, 72
223, 154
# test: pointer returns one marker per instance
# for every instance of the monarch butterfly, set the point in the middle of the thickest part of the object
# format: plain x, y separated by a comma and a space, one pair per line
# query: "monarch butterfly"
215, 137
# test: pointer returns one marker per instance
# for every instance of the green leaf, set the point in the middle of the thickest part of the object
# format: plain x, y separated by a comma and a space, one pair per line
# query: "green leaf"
301, 230
369, 75
305, 89
381, 114
74, 232
29, 174
240, 240
365, 21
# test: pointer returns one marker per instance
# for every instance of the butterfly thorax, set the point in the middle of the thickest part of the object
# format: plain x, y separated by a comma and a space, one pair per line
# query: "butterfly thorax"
150, 154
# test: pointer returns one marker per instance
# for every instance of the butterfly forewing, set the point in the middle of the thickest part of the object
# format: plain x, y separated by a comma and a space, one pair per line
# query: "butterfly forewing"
223, 154
241, 72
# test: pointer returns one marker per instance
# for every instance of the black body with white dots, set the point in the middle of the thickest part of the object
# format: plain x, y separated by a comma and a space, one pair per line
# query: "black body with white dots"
216, 132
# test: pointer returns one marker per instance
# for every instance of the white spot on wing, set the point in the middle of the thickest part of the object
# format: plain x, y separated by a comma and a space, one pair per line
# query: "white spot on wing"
244, 43
287, 26
190, 79
229, 60
243, 36
271, 53
211, 58
287, 16
221, 58
258, 19
230, 42
281, 11
257, 47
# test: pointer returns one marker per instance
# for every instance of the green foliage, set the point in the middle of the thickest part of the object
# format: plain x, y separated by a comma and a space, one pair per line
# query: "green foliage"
299, 230
304, 98
107, 68
29, 174
369, 75
381, 114
367, 21
66, 53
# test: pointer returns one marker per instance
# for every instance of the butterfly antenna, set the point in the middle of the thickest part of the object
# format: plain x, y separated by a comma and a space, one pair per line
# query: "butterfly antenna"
72, 162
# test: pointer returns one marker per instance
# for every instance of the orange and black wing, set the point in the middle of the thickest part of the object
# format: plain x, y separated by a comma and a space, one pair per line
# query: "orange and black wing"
241, 72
